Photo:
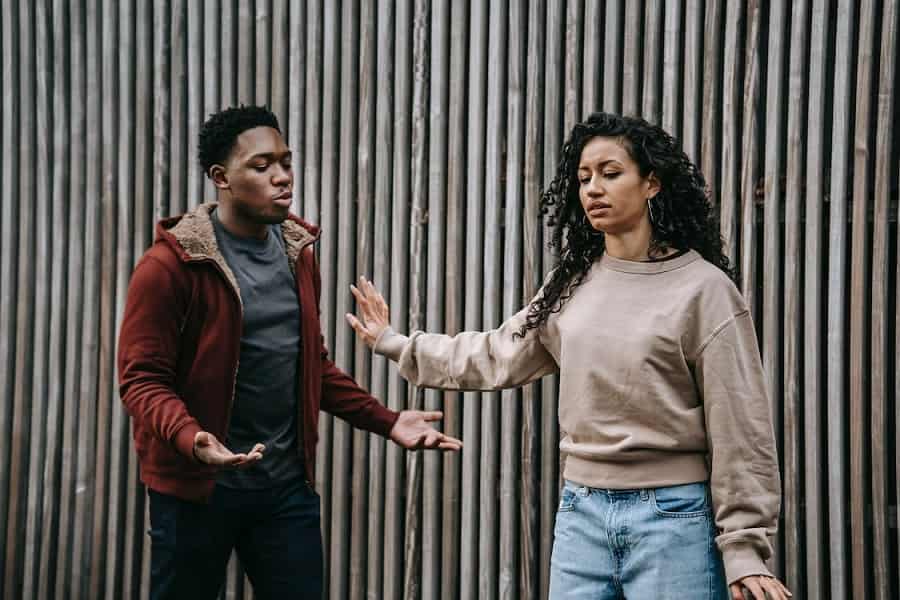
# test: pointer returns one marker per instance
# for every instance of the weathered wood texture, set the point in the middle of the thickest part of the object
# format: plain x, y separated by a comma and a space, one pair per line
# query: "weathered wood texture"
423, 132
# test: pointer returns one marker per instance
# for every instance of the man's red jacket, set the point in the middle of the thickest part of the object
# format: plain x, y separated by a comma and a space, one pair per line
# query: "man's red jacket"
179, 347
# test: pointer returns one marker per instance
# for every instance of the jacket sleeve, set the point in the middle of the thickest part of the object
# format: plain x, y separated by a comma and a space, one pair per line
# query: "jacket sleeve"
471, 360
344, 398
148, 348
744, 479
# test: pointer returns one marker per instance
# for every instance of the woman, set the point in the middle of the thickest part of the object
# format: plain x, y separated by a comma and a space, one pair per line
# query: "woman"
671, 477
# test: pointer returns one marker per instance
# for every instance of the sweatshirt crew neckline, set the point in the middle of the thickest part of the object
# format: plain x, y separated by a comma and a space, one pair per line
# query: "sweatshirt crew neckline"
647, 267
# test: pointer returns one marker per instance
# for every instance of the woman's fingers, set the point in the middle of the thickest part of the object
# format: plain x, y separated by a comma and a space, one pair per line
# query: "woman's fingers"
361, 300
755, 588
776, 589
736, 592
367, 307
360, 329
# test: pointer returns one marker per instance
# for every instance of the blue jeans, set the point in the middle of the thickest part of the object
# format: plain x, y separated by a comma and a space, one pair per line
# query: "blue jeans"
635, 544
276, 533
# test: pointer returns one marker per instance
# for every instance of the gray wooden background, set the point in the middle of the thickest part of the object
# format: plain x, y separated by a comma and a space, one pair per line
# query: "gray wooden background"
423, 132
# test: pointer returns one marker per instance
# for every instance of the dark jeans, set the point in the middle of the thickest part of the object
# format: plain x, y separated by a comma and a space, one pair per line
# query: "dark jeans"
276, 533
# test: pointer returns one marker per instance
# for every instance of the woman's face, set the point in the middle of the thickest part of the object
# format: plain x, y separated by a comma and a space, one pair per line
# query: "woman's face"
612, 191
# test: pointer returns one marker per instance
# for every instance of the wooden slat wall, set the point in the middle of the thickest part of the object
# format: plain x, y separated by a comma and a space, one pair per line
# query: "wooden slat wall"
423, 132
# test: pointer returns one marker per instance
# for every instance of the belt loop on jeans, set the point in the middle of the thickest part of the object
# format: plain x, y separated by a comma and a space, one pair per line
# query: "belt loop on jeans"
645, 494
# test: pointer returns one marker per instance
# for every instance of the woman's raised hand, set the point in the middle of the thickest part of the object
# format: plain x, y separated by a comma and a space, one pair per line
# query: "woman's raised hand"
373, 310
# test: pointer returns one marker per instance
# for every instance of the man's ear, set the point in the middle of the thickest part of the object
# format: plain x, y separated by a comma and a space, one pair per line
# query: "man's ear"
219, 177
653, 185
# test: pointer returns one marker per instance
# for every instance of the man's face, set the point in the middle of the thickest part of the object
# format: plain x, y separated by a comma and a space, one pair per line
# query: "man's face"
259, 176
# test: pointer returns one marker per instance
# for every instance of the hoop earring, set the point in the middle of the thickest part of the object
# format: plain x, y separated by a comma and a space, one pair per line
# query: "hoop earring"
650, 209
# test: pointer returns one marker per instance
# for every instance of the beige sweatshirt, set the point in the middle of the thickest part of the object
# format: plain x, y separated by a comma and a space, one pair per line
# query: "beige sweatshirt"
661, 384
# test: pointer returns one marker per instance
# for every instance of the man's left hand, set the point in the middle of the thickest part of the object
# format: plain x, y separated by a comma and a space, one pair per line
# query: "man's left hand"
413, 432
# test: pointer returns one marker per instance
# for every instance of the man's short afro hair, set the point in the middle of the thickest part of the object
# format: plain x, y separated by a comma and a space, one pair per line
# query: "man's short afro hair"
219, 133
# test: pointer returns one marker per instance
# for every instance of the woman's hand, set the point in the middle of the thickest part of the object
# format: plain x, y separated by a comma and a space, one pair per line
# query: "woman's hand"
761, 587
373, 310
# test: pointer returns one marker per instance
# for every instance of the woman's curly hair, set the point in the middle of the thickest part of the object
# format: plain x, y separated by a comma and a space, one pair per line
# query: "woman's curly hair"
682, 216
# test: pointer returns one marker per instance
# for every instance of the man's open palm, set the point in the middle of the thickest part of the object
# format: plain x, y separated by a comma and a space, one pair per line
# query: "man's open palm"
208, 449
413, 431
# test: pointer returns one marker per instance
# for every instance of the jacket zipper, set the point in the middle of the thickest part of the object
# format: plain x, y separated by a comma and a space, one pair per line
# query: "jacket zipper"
237, 297
302, 423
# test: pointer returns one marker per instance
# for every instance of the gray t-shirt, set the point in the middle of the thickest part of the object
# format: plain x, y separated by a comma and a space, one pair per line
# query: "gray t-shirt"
265, 399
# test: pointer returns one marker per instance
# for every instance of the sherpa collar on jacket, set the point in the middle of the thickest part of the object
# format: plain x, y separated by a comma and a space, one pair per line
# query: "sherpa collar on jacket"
194, 238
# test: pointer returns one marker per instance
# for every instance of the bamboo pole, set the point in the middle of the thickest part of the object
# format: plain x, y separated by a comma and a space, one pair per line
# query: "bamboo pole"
631, 59
86, 470
553, 140
813, 367
412, 587
330, 179
474, 320
196, 88
612, 57
120, 440
773, 296
295, 90
262, 35
342, 274
75, 294
454, 277
383, 151
860, 306
573, 53
9, 258
228, 92
650, 96
395, 472
359, 521
693, 75
884, 584
711, 103
50, 534
244, 36
592, 78
34, 523
510, 408
136, 543
21, 346
729, 157
530, 566
178, 143
489, 526
103, 513
794, 554
213, 75
837, 295
750, 160
671, 68
280, 80
432, 297
313, 114
210, 66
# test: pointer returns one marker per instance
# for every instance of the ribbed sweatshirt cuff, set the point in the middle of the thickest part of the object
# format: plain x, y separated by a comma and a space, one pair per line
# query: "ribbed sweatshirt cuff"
742, 560
391, 344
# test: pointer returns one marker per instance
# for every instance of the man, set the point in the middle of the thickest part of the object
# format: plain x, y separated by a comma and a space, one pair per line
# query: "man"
223, 369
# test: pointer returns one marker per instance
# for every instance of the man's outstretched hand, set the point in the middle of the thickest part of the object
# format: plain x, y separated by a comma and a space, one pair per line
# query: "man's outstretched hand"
209, 450
413, 432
